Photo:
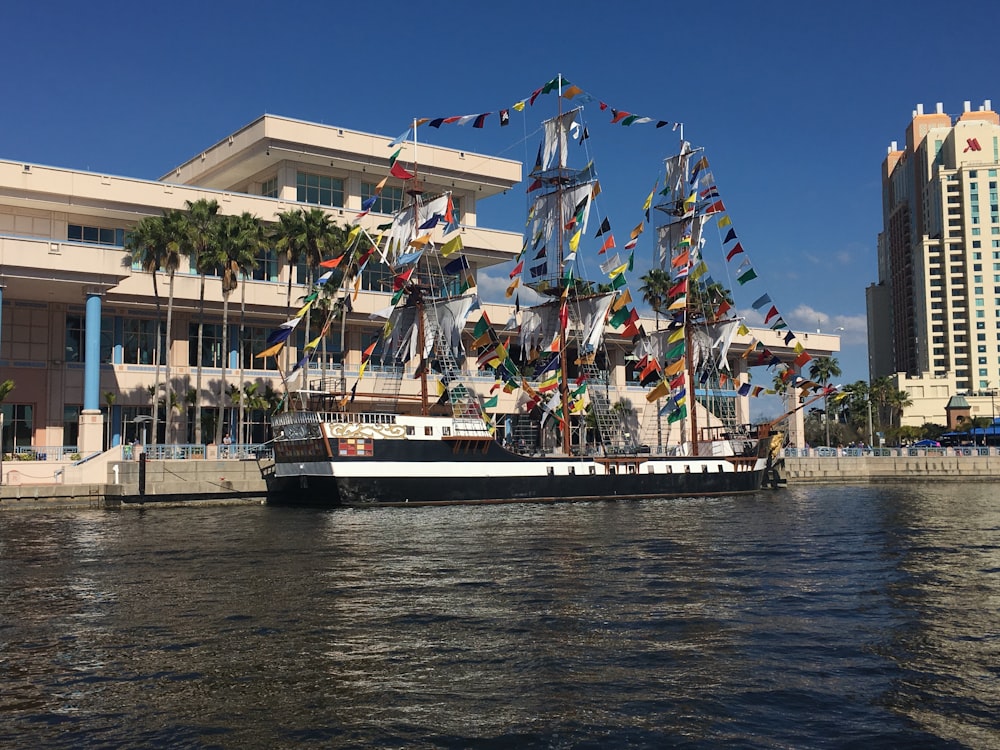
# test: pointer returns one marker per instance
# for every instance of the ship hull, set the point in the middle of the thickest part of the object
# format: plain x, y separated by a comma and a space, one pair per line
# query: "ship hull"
375, 489
432, 474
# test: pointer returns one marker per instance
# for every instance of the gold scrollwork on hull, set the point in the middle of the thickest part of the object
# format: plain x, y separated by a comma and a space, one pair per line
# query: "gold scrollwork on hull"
384, 431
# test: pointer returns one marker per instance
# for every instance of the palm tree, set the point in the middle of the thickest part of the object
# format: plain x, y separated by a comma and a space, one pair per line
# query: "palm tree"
286, 237
823, 370
240, 239
202, 236
155, 244
655, 285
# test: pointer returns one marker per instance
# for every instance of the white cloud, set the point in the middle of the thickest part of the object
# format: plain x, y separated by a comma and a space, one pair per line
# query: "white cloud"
493, 283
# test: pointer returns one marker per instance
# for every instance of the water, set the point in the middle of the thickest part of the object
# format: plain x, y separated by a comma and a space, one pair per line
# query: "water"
812, 617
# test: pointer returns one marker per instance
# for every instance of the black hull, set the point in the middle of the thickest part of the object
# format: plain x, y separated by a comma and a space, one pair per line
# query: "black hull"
327, 491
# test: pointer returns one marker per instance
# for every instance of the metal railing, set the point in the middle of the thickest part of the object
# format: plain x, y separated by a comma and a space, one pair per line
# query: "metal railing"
890, 452
232, 452
45, 453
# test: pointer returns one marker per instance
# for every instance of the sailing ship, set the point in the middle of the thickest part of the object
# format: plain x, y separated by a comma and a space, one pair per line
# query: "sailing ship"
332, 453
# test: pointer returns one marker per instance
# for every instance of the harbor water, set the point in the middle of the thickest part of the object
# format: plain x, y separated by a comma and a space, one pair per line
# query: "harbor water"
821, 616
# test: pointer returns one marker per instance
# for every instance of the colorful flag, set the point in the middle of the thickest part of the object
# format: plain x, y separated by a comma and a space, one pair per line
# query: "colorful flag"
398, 171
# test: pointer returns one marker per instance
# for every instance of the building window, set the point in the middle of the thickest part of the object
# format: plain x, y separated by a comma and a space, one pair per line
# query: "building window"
18, 426
254, 342
267, 266
71, 424
269, 188
74, 350
115, 237
211, 345
139, 341
390, 201
319, 190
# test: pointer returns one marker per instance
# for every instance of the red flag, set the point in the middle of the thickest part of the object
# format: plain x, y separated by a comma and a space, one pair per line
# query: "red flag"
399, 281
368, 352
737, 249
534, 185
398, 171
770, 314
608, 244
564, 314
333, 262
517, 269
724, 307
619, 115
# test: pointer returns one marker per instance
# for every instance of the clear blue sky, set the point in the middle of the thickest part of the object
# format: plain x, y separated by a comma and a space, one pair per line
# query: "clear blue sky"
795, 103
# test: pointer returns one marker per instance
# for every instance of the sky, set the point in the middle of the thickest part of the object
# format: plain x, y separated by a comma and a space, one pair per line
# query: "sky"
795, 104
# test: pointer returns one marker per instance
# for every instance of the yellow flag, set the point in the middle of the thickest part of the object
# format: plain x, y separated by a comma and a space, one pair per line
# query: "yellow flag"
725, 221
675, 336
616, 272
513, 285
574, 241
302, 310
361, 371
271, 351
674, 369
357, 286
698, 271
353, 235
313, 344
623, 299
649, 199
451, 246
596, 191
659, 392
637, 231
421, 241
519, 106
441, 388
381, 184
742, 330
679, 304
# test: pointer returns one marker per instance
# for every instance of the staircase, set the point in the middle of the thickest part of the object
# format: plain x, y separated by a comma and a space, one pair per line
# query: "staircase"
464, 403
611, 427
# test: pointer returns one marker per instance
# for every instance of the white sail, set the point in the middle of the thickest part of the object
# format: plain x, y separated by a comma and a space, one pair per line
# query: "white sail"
405, 226
451, 317
539, 325
552, 212
556, 137
677, 173
589, 313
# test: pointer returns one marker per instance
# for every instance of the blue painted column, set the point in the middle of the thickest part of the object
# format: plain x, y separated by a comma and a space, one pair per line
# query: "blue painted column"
92, 352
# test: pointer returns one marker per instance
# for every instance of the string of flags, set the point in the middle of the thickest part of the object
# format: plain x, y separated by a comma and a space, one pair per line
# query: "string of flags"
559, 85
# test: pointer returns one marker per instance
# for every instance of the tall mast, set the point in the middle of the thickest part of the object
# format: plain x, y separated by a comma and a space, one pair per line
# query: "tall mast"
563, 367
689, 354
414, 193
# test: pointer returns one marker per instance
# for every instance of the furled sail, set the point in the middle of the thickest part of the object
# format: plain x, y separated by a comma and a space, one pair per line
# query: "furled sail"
557, 131
451, 316
407, 223
589, 314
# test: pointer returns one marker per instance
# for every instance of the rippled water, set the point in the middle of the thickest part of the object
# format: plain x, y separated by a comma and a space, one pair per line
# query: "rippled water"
812, 617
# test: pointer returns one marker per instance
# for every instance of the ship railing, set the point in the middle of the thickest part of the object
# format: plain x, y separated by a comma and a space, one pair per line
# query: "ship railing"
358, 417
470, 427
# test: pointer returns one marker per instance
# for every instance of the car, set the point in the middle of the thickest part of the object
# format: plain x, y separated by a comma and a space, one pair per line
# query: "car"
926, 444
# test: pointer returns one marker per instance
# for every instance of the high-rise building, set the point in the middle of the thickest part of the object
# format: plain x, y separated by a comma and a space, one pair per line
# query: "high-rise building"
934, 315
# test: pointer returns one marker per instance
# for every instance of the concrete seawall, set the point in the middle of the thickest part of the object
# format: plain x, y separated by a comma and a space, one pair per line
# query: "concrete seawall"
861, 469
166, 482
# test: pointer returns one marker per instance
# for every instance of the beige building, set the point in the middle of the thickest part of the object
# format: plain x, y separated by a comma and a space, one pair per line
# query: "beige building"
934, 315
77, 332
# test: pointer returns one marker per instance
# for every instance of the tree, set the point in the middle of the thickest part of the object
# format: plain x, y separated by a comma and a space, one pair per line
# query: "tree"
240, 239
823, 370
201, 232
155, 244
655, 285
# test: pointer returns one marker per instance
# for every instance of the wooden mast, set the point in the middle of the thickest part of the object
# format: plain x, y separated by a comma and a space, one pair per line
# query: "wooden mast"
418, 294
564, 300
